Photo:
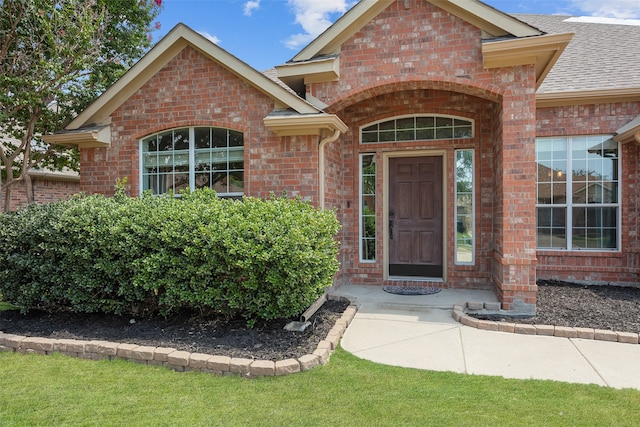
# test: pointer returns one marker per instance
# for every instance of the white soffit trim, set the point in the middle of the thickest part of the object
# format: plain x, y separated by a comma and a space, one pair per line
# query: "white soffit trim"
543, 51
604, 96
476, 13
330, 41
50, 175
315, 71
487, 18
89, 137
310, 124
170, 45
629, 132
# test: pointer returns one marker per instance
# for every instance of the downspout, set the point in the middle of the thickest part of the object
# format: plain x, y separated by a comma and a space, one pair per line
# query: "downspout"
323, 143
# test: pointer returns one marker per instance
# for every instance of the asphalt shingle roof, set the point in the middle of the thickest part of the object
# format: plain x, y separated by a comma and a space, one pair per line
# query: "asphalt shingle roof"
600, 56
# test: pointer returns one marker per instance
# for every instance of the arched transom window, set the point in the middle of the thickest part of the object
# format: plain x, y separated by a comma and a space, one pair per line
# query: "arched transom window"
417, 128
194, 157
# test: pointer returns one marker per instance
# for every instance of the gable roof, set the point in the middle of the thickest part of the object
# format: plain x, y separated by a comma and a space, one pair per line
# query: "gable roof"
507, 41
170, 45
493, 22
600, 64
91, 128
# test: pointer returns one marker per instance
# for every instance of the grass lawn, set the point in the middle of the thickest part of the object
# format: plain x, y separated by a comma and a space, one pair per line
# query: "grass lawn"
59, 390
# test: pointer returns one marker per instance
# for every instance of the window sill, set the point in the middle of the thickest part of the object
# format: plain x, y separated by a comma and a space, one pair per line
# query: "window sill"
580, 253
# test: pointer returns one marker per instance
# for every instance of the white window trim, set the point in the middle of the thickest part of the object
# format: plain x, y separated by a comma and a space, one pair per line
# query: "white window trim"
361, 210
569, 206
473, 208
406, 116
192, 155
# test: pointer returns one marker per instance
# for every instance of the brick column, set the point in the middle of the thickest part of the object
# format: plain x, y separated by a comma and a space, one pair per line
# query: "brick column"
514, 261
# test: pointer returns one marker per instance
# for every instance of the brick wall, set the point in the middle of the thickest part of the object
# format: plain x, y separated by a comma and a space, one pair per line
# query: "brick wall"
44, 191
192, 90
593, 266
423, 60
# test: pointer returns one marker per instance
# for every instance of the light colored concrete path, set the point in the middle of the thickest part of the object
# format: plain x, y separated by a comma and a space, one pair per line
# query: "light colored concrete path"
419, 332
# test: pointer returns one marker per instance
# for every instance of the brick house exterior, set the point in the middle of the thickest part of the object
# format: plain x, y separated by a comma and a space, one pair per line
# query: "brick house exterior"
426, 124
47, 186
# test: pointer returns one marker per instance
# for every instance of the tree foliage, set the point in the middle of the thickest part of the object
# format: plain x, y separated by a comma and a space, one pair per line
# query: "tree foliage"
56, 56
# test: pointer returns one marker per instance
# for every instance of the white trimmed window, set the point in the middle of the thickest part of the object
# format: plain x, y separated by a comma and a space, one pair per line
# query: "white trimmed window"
465, 207
578, 193
417, 128
195, 157
368, 207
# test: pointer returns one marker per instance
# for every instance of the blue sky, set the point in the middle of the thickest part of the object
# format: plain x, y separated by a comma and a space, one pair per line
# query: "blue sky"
265, 33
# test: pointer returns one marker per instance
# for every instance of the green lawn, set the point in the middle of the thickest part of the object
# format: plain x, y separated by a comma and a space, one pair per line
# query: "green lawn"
58, 390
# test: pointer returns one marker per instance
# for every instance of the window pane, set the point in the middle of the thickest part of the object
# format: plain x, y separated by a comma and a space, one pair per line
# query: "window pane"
203, 137
165, 141
181, 139
595, 228
236, 182
444, 121
416, 129
387, 136
408, 123
203, 180
235, 139
444, 133
150, 144
167, 167
550, 224
406, 135
367, 207
219, 138
427, 134
464, 209
219, 182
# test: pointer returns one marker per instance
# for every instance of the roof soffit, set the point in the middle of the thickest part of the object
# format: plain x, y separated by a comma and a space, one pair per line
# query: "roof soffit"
543, 51
583, 97
88, 137
173, 43
307, 124
488, 19
629, 132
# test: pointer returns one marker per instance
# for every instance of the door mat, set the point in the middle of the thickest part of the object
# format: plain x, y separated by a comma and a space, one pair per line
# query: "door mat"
410, 290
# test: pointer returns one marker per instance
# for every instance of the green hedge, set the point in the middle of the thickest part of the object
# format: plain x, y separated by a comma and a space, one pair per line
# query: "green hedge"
260, 259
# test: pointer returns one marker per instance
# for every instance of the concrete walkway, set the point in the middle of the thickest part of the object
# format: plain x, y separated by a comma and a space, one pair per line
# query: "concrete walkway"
419, 332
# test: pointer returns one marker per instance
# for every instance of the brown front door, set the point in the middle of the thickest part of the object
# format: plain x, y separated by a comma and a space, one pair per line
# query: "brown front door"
415, 216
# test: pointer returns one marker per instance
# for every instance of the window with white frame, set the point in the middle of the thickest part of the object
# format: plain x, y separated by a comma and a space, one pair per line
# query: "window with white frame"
368, 207
417, 128
195, 157
578, 193
464, 207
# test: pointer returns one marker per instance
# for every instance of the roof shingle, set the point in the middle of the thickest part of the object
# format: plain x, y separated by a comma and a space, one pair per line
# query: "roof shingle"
600, 56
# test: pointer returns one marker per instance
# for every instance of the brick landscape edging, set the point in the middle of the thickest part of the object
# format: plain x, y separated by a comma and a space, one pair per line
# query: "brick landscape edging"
461, 316
182, 361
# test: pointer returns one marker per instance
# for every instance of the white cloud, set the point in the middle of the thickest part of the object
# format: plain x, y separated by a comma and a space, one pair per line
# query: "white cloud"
250, 6
209, 37
622, 9
314, 16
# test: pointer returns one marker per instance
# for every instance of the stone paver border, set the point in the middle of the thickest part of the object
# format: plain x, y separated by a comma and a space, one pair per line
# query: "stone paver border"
460, 315
182, 361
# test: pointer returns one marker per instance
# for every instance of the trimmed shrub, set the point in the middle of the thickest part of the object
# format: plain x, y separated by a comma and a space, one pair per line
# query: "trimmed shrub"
260, 259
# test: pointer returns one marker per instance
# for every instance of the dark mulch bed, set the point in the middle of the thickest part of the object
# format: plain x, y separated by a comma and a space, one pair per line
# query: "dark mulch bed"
210, 334
600, 307
559, 304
